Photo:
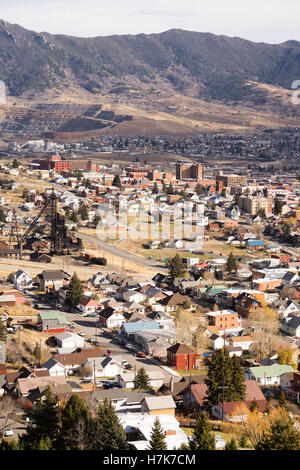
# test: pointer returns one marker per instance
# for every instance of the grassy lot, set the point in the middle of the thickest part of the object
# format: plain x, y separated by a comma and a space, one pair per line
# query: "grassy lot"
192, 372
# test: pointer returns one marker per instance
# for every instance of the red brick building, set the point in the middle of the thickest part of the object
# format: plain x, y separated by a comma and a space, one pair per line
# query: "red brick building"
181, 356
54, 162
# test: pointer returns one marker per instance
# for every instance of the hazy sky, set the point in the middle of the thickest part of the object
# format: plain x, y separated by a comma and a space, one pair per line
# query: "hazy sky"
271, 21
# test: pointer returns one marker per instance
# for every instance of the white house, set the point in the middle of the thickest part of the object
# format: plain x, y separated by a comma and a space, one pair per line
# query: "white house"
133, 296
55, 368
243, 342
291, 325
88, 306
126, 379
106, 366
217, 342
67, 340
21, 279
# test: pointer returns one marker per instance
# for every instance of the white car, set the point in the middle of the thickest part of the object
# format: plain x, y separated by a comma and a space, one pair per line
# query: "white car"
82, 333
8, 432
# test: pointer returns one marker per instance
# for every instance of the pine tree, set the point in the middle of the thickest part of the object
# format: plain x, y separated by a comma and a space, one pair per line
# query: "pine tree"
243, 442
75, 292
142, 380
282, 435
157, 440
155, 189
254, 406
74, 217
202, 437
218, 379
74, 414
231, 264
16, 163
110, 435
117, 182
237, 382
45, 417
231, 445
176, 268
84, 212
278, 204
2, 215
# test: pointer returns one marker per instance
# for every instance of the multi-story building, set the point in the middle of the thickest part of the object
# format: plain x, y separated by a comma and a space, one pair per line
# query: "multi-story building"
223, 181
54, 162
186, 170
252, 204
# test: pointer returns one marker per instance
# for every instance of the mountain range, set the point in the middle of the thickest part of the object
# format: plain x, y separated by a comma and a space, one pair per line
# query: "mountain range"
177, 73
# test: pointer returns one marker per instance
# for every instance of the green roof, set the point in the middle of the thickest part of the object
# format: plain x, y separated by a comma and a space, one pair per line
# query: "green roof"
53, 316
269, 371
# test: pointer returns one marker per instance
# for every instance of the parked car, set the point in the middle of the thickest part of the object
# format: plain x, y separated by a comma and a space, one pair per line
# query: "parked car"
129, 346
82, 333
96, 343
141, 354
128, 367
92, 315
111, 385
8, 432
91, 339
36, 306
72, 325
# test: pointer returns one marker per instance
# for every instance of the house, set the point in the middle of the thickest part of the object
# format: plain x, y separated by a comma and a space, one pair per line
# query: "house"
21, 279
246, 303
110, 318
172, 302
181, 356
231, 409
52, 280
138, 428
133, 296
160, 405
217, 342
135, 307
290, 384
52, 322
124, 401
75, 360
105, 366
243, 342
156, 379
88, 305
290, 325
26, 385
288, 307
67, 340
55, 368
128, 329
267, 375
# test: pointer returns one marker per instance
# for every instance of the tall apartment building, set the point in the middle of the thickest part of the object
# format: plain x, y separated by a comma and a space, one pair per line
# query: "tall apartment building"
185, 170
223, 181
252, 204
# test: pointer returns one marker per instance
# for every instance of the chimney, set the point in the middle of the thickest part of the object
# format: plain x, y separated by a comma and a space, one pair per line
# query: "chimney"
171, 384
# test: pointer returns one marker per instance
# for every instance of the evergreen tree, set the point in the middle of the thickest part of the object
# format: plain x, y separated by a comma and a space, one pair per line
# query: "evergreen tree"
157, 440
16, 163
142, 380
2, 215
243, 442
202, 437
75, 292
170, 189
237, 382
74, 217
37, 353
176, 268
278, 204
46, 419
84, 212
282, 435
117, 182
231, 264
155, 189
96, 220
74, 414
218, 379
199, 189
254, 406
110, 435
231, 445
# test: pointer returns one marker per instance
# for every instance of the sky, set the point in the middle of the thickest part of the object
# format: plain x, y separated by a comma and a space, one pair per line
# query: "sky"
271, 21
